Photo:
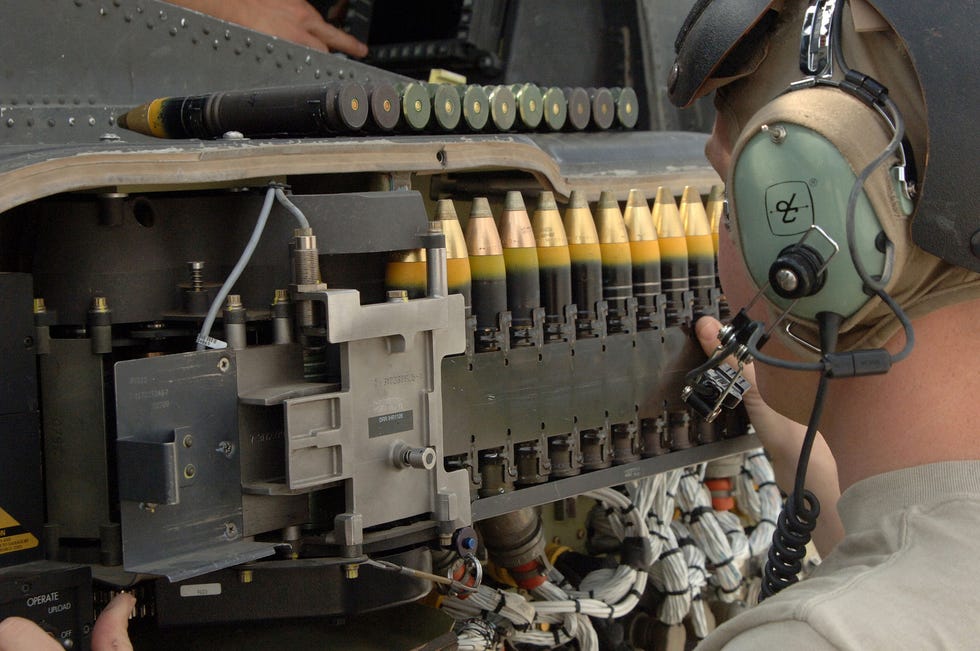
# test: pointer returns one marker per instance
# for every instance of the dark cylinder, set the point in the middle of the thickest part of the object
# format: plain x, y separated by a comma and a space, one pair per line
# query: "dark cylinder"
554, 264
488, 271
585, 256
603, 108
617, 268
700, 251
579, 109
673, 256
645, 256
383, 105
521, 262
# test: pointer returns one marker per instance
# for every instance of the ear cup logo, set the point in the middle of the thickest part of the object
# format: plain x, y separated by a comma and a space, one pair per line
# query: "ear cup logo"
789, 207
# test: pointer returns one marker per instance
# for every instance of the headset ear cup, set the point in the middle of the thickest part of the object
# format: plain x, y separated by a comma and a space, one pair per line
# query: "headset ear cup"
793, 168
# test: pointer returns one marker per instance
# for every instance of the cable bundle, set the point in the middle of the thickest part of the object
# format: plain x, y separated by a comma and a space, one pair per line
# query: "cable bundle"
759, 498
697, 576
694, 500
670, 573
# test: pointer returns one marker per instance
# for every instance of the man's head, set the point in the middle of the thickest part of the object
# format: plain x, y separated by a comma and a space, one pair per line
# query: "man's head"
794, 155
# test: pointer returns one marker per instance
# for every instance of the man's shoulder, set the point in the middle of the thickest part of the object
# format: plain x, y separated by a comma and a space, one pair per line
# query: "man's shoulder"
780, 634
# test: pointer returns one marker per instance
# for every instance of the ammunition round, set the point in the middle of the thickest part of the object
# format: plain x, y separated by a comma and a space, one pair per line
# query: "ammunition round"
383, 103
555, 108
579, 108
603, 108
503, 107
476, 106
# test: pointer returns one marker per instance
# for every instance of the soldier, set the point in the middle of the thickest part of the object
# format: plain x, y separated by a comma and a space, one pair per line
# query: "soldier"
824, 113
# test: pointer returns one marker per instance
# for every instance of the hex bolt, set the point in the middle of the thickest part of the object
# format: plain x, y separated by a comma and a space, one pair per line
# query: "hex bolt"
351, 570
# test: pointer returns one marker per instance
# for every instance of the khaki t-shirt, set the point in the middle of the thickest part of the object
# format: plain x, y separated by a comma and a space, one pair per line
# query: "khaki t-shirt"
905, 576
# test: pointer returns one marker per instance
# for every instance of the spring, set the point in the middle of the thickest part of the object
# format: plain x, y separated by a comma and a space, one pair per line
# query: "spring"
793, 529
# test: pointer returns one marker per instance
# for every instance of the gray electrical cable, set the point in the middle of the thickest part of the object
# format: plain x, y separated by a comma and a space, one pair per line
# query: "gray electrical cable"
204, 337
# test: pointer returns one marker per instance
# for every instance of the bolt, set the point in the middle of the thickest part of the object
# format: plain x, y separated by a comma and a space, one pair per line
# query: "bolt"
469, 543
99, 304
777, 134
351, 570
149, 507
231, 530
39, 307
190, 471
197, 275
226, 448
787, 280
245, 576
188, 440
224, 364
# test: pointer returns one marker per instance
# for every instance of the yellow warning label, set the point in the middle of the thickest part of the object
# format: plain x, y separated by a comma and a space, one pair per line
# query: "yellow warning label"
13, 537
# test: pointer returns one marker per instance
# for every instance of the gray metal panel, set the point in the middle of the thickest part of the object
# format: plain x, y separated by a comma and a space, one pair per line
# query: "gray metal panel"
72, 66
157, 399
365, 222
553, 491
390, 355
495, 399
77, 473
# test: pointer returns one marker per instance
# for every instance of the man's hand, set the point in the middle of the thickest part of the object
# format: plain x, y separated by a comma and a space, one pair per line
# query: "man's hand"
109, 634
783, 438
291, 20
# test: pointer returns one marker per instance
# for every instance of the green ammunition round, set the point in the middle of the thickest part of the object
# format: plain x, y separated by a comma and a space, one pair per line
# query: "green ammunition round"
416, 107
503, 107
446, 107
529, 105
476, 106
627, 106
555, 108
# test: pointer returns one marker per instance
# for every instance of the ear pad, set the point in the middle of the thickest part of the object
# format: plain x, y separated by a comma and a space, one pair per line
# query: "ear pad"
793, 168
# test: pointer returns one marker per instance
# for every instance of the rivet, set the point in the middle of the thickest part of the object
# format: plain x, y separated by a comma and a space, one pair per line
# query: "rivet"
10, 122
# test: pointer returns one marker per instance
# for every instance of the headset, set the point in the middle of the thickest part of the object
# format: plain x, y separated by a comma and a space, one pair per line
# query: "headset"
818, 237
